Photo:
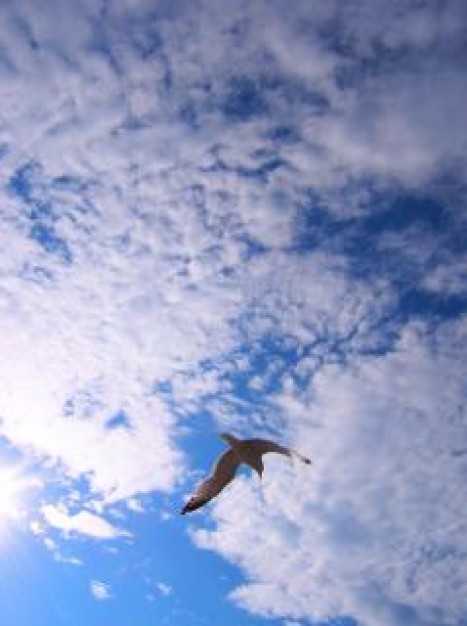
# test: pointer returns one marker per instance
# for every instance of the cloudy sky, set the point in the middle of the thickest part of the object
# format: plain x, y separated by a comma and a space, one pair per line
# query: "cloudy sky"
233, 216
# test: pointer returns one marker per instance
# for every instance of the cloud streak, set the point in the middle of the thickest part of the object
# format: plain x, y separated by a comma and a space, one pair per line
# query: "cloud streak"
100, 590
82, 522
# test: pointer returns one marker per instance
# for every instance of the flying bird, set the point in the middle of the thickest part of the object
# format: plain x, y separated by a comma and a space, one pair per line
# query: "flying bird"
249, 451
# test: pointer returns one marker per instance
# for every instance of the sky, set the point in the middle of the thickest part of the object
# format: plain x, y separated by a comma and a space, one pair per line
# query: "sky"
233, 216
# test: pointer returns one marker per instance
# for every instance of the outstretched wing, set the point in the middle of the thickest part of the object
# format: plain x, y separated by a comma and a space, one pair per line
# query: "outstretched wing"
263, 446
222, 474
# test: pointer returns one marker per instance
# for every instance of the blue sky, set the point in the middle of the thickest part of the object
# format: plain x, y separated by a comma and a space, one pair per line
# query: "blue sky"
245, 217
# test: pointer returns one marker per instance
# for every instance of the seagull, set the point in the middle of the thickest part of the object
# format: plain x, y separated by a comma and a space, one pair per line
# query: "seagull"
249, 451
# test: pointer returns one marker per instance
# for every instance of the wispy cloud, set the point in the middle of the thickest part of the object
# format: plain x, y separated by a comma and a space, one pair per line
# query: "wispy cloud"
100, 590
59, 556
83, 522
164, 589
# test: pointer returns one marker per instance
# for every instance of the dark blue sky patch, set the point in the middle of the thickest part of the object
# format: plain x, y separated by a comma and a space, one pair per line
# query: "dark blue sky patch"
69, 183
315, 227
283, 135
24, 180
405, 211
253, 248
47, 202
31, 184
400, 238
420, 303
189, 115
41, 213
293, 95
367, 259
244, 100
421, 224
163, 387
49, 241
119, 420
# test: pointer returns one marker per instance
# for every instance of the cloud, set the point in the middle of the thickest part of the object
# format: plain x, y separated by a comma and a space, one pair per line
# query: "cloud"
448, 279
164, 589
253, 214
100, 590
374, 529
83, 522
53, 547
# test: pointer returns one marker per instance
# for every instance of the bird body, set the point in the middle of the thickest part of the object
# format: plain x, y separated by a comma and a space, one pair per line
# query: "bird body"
248, 451
245, 452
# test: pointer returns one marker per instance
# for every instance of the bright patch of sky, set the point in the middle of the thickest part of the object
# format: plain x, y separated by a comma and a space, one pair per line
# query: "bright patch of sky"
233, 216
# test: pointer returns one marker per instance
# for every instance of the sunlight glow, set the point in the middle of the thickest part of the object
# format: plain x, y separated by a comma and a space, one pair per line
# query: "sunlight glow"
11, 487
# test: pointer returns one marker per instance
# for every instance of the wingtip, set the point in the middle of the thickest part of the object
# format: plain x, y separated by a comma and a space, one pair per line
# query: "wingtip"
186, 509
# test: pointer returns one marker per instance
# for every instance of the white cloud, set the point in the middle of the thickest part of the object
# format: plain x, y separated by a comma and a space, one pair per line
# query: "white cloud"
374, 529
135, 505
83, 522
175, 221
100, 590
164, 589
53, 547
72, 560
448, 279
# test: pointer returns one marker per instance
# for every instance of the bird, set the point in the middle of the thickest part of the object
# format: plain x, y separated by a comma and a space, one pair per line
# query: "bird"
249, 451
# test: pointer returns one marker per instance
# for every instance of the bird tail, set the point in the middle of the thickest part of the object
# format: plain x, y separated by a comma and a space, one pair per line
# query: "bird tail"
300, 457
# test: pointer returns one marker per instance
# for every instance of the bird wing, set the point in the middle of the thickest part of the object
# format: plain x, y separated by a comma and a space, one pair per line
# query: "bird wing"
263, 446
222, 473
